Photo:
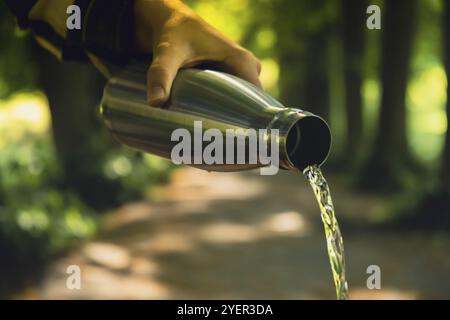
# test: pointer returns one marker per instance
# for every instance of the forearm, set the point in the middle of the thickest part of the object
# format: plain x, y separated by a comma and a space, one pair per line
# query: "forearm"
107, 27
54, 12
151, 16
117, 30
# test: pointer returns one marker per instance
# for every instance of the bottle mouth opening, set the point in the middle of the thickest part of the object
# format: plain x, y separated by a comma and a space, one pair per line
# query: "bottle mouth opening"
308, 142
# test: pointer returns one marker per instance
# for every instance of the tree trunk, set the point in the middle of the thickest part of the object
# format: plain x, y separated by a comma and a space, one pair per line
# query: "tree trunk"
446, 158
74, 91
391, 156
317, 83
391, 144
433, 207
303, 41
353, 34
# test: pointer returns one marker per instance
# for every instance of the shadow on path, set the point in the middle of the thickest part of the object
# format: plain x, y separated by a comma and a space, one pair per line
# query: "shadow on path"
245, 236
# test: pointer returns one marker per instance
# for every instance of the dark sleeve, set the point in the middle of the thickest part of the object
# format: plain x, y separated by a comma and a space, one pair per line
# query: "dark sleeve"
21, 8
106, 29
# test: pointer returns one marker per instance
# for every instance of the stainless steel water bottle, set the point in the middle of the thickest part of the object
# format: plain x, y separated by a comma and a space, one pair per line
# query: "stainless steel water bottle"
220, 101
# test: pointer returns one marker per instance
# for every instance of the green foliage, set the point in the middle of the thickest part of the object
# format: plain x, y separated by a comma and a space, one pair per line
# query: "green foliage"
31, 199
38, 219
35, 200
15, 48
42, 215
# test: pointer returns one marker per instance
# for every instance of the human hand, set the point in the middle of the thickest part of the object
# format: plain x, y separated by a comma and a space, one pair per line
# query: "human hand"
178, 38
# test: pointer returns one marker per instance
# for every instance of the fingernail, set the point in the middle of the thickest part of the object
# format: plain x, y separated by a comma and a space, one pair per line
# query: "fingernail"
156, 93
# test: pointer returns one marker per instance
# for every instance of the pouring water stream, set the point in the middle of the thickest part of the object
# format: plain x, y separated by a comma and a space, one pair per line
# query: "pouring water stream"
333, 235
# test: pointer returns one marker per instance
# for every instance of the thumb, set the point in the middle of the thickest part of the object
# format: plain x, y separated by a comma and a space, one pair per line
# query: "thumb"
163, 70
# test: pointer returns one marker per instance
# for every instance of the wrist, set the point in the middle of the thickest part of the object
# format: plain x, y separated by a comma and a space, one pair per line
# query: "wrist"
149, 18
152, 16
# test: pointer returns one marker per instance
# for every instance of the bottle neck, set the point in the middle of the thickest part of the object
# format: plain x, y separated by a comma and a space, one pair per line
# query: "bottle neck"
304, 138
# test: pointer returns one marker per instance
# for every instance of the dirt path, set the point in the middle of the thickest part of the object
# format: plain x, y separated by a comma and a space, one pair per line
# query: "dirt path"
242, 236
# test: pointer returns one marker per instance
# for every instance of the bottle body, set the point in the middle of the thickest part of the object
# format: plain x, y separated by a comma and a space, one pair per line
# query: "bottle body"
218, 101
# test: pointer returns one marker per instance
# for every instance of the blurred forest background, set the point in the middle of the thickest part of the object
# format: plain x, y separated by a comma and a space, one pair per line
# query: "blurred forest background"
384, 93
